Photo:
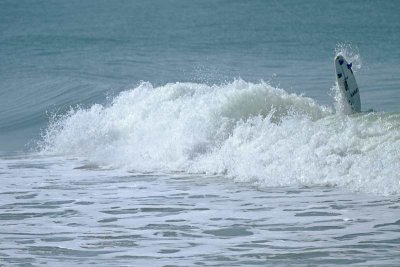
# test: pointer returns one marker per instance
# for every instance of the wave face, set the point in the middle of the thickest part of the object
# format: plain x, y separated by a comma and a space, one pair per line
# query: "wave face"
251, 132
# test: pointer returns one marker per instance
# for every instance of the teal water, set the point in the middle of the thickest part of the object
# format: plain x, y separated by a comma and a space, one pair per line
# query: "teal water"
59, 54
212, 133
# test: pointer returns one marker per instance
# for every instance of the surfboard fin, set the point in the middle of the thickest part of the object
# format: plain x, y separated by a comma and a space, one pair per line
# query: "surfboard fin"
339, 75
349, 65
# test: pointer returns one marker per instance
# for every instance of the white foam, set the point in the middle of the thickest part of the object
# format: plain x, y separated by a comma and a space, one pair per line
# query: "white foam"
250, 132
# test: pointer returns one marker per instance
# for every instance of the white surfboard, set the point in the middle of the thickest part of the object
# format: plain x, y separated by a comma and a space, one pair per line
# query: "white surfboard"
347, 83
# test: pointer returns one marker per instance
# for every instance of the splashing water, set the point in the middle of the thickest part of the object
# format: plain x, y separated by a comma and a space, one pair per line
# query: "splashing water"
250, 132
351, 54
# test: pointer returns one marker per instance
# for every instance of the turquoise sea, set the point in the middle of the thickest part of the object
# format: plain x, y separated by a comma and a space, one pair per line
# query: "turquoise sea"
198, 133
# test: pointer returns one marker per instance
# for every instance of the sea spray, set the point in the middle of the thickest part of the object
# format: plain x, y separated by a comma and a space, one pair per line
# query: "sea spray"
351, 54
251, 132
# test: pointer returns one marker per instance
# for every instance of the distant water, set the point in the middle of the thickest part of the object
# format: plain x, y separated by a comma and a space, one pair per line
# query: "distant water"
201, 133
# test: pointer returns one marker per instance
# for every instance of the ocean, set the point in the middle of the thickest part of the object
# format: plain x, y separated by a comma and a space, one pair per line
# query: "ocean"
198, 133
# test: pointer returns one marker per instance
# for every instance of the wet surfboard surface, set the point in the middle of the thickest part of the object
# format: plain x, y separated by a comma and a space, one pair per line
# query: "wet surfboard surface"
347, 83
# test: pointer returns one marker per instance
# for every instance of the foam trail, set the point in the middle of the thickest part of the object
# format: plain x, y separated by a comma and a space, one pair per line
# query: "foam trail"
251, 132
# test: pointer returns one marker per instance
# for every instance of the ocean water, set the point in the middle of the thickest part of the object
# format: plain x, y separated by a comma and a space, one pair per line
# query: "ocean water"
198, 133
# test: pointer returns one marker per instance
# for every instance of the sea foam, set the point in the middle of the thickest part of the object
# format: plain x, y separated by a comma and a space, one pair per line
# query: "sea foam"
250, 132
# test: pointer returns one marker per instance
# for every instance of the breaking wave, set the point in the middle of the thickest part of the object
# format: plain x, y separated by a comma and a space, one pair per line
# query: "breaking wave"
251, 132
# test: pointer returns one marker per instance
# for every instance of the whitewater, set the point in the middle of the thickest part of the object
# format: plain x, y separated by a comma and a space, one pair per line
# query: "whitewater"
251, 132
185, 174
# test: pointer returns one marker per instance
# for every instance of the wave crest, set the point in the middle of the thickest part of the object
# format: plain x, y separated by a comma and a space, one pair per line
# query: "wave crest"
250, 132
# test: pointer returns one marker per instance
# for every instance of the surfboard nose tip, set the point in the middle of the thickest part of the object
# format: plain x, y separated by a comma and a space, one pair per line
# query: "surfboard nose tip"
340, 59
